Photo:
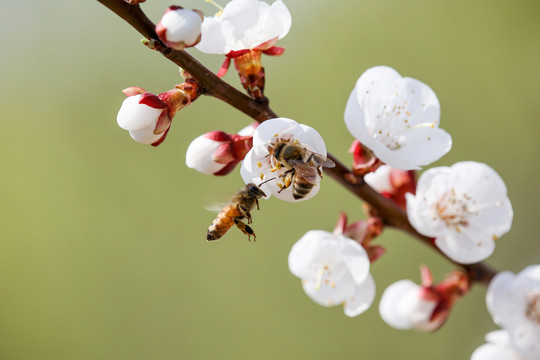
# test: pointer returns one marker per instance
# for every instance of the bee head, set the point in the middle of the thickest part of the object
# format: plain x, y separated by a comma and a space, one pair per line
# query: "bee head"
255, 191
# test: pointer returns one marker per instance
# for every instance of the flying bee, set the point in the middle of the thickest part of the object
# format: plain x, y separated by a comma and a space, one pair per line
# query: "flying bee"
239, 208
302, 167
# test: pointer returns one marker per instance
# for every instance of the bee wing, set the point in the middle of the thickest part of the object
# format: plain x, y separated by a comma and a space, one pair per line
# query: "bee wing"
216, 207
319, 160
304, 170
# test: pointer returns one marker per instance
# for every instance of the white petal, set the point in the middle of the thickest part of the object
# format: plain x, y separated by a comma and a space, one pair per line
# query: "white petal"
379, 83
305, 251
281, 12
530, 273
330, 293
525, 339
355, 258
251, 173
135, 116
389, 305
424, 145
248, 130
422, 217
500, 298
271, 129
199, 155
244, 24
145, 136
497, 348
397, 118
362, 297
309, 137
380, 179
212, 37
465, 249
182, 25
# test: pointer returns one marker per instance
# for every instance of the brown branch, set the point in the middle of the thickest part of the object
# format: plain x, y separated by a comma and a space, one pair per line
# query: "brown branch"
260, 111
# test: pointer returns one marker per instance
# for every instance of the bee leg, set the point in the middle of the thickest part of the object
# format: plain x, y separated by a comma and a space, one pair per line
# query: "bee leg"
257, 202
319, 172
309, 159
287, 180
245, 212
246, 229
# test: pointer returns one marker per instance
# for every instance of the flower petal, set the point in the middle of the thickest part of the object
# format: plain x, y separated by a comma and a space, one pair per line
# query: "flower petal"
135, 116
362, 298
145, 136
355, 258
389, 305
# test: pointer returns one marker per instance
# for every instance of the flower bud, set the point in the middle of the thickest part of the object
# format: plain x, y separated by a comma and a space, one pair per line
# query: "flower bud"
217, 152
140, 114
393, 183
148, 117
180, 28
406, 305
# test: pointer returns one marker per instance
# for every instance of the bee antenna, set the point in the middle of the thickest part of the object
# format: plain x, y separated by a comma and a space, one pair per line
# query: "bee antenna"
264, 182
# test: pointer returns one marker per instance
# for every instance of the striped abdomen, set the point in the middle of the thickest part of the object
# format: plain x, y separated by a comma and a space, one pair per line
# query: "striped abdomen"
222, 223
301, 188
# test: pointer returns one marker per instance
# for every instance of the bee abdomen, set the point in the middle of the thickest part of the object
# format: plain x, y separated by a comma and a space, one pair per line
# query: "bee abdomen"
300, 190
221, 224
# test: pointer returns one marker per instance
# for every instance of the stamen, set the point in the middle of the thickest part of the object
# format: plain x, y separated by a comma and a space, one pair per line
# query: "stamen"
318, 282
216, 5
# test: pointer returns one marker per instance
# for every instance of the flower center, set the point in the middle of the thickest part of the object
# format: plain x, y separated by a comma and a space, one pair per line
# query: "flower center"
532, 307
322, 279
453, 209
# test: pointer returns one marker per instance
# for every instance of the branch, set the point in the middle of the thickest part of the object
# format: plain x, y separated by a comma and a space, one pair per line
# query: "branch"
260, 111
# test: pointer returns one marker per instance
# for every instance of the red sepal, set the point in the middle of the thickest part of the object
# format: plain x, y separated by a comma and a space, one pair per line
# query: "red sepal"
133, 90
152, 100
223, 154
274, 51
267, 44
161, 139
220, 136
163, 123
227, 169
236, 53
224, 68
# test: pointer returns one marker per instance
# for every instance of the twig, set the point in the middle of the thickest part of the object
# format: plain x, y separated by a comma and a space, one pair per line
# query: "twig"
260, 111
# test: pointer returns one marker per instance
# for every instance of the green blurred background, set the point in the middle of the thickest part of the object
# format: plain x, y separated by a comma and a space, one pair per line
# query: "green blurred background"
103, 252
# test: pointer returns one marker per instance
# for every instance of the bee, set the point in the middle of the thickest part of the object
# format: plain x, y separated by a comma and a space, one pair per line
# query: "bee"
239, 208
302, 167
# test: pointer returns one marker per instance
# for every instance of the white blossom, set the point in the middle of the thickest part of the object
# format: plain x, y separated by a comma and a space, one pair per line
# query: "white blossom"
497, 348
464, 207
514, 304
334, 271
217, 152
260, 163
140, 119
397, 118
402, 307
245, 24
180, 28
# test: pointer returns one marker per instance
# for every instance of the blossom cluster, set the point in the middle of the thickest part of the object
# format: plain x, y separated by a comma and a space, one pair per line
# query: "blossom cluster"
395, 122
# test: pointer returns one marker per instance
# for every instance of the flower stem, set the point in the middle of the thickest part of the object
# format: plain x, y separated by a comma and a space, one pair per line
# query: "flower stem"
259, 110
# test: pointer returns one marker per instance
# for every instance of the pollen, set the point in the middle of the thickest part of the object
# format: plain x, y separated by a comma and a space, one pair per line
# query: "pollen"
262, 176
259, 164
276, 135
494, 237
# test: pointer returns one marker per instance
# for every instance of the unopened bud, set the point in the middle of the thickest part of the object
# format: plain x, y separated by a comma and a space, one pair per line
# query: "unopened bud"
180, 28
